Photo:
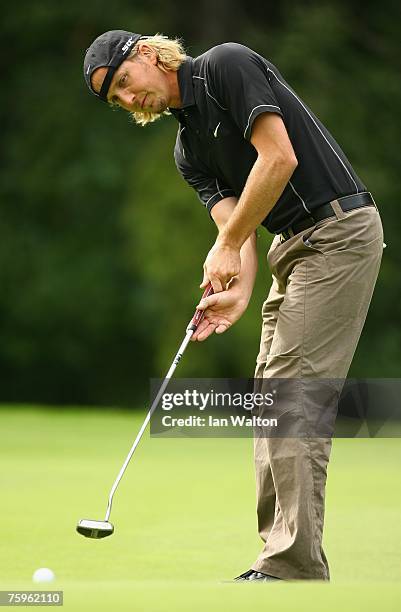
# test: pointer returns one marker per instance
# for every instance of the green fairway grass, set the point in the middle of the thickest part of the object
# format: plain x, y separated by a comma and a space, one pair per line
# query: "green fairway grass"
184, 518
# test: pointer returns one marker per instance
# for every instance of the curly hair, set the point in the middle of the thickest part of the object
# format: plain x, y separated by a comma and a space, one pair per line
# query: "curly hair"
170, 55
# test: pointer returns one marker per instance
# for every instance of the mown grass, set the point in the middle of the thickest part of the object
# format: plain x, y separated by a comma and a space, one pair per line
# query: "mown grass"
184, 517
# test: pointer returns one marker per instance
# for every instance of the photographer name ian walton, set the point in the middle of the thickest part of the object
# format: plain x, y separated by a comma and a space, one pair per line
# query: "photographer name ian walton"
210, 421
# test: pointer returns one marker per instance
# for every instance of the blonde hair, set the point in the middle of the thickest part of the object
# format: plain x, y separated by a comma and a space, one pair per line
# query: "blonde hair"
170, 55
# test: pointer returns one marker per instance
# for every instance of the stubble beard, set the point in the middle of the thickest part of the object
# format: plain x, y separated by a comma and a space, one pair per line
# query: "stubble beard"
160, 105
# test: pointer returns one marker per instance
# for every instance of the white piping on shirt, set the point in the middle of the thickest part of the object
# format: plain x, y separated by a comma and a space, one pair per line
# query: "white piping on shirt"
246, 129
219, 192
316, 125
216, 129
296, 193
259, 106
207, 91
179, 136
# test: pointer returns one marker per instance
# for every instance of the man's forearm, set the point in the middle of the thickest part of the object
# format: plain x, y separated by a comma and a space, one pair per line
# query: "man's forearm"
265, 184
249, 258
249, 266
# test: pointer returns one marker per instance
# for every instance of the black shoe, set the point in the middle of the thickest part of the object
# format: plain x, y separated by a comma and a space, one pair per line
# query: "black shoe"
253, 575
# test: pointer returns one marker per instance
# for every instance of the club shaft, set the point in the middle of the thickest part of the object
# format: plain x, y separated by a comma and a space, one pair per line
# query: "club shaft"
153, 407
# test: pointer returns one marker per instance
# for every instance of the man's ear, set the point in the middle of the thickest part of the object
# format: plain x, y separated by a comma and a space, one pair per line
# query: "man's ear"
148, 52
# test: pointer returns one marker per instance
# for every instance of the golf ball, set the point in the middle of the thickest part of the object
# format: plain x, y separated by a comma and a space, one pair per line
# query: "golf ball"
43, 574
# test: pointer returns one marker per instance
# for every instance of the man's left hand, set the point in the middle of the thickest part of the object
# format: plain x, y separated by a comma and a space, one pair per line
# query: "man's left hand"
221, 265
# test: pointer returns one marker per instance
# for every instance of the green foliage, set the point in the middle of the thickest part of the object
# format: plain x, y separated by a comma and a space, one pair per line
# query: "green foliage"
102, 243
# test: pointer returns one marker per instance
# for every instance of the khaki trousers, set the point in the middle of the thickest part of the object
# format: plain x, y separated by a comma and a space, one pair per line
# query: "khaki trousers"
323, 280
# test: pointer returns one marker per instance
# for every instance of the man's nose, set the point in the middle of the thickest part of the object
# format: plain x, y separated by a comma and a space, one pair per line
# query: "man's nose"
127, 99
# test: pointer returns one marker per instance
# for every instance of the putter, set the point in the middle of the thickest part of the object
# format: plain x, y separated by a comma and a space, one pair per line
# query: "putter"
101, 529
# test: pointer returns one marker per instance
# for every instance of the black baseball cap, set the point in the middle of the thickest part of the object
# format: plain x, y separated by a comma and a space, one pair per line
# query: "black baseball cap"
108, 50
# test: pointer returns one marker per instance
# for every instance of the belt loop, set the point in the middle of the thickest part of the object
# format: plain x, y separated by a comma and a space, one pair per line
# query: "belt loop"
338, 211
286, 234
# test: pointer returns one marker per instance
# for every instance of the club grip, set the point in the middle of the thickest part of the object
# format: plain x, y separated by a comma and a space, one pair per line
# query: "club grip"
199, 314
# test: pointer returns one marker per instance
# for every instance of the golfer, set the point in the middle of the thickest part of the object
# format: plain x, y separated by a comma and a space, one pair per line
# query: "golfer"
257, 155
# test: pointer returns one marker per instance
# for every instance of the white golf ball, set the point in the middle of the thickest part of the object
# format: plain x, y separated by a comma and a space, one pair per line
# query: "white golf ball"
43, 574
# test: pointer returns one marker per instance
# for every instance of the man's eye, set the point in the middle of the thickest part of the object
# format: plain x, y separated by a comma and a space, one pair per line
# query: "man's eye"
123, 79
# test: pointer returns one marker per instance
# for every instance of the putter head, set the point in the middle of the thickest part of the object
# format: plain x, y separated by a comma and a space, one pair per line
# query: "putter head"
94, 529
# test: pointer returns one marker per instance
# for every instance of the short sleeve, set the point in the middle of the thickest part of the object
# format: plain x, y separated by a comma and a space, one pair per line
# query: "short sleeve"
239, 80
209, 189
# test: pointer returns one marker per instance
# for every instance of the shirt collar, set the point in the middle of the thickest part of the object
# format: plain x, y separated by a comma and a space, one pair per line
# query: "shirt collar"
185, 84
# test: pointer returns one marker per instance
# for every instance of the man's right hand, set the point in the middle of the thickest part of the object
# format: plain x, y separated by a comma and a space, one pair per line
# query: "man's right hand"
222, 310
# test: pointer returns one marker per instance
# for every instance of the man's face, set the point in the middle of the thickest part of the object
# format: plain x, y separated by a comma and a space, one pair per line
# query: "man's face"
138, 85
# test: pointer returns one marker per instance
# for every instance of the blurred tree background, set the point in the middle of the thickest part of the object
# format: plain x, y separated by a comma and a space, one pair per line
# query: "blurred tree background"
102, 243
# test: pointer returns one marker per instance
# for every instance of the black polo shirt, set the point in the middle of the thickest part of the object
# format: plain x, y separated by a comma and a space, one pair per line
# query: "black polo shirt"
222, 93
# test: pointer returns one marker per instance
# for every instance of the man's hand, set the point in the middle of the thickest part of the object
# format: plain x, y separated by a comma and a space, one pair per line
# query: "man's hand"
221, 265
222, 310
